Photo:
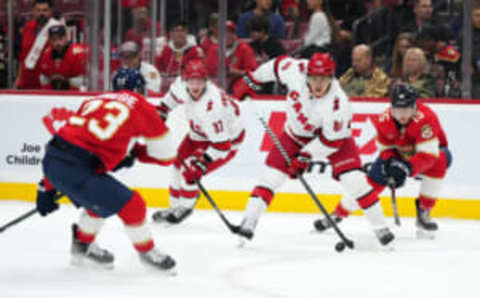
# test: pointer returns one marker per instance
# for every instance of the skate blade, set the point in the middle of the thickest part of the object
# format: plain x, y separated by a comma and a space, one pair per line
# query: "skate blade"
82, 262
424, 234
389, 247
242, 242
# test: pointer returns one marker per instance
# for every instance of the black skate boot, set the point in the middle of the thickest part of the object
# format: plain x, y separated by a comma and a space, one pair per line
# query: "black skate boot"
173, 215
158, 260
425, 226
385, 236
323, 224
89, 254
246, 230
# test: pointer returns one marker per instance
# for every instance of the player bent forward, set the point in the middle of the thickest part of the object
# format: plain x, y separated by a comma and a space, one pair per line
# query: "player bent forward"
318, 126
215, 134
81, 154
412, 142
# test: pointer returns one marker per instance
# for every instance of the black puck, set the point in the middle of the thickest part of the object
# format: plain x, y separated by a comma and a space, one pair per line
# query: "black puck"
340, 246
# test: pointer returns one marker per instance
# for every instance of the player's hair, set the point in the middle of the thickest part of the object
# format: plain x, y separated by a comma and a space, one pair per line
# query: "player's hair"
48, 2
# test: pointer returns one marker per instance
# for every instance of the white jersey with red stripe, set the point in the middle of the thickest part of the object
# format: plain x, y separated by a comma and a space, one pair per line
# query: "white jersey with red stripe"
214, 117
328, 117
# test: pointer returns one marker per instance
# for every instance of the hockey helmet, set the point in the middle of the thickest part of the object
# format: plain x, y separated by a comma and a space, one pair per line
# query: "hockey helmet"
129, 79
403, 96
321, 64
195, 68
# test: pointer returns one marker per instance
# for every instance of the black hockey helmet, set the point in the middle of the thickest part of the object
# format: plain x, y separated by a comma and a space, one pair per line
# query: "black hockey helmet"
403, 96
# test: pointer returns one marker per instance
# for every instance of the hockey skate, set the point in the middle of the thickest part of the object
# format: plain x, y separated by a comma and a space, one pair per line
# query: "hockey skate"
323, 224
173, 215
246, 231
158, 260
425, 226
89, 254
385, 237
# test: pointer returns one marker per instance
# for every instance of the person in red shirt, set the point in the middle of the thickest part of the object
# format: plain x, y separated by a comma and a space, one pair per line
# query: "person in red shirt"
240, 57
63, 64
211, 38
29, 78
411, 143
177, 51
93, 142
141, 30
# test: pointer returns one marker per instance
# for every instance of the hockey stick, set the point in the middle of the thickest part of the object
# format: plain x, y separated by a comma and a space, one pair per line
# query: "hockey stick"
233, 228
394, 202
24, 216
345, 240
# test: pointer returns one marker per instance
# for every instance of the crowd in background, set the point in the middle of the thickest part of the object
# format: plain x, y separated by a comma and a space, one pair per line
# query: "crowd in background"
375, 42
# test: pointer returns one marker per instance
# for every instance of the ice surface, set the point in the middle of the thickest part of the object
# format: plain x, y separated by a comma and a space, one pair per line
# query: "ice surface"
285, 259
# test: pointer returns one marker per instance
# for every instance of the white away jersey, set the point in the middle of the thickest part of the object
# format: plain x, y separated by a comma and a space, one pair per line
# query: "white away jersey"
329, 116
214, 117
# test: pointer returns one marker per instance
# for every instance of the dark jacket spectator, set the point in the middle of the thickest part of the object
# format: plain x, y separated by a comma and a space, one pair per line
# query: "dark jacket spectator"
277, 24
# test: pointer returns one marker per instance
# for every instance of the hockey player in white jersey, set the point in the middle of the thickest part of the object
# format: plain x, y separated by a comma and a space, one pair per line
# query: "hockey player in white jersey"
216, 132
318, 126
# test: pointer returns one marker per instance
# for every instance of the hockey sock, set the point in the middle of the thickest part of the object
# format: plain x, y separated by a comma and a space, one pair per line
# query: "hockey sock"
263, 193
341, 211
426, 203
133, 215
89, 224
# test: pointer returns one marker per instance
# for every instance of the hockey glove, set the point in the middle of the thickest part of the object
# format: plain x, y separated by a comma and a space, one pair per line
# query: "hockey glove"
246, 86
299, 164
397, 171
128, 161
197, 168
46, 199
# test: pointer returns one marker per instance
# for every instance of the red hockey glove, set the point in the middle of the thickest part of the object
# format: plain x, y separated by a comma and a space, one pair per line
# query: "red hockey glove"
246, 86
196, 169
299, 164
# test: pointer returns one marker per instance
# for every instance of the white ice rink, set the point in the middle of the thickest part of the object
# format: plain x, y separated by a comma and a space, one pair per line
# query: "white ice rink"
285, 259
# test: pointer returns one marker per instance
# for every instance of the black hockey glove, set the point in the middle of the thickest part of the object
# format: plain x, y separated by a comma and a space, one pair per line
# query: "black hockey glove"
397, 171
128, 161
46, 200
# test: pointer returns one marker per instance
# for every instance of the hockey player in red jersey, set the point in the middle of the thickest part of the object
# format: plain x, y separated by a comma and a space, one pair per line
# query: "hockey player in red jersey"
82, 153
63, 64
216, 132
318, 126
411, 142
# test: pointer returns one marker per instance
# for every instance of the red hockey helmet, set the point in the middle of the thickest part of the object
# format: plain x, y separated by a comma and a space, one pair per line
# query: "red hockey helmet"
195, 68
321, 64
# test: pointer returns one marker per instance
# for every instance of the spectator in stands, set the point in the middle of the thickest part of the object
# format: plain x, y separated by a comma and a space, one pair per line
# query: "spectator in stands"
364, 78
177, 51
321, 29
416, 73
34, 41
211, 38
295, 10
131, 58
3, 59
402, 44
346, 12
444, 60
141, 30
422, 15
475, 50
277, 25
240, 57
63, 63
265, 46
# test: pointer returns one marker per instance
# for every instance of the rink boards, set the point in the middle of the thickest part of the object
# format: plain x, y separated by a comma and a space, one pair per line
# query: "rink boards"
27, 121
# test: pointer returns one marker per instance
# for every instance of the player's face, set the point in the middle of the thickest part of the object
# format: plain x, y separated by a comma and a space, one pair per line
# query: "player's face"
196, 86
319, 84
476, 18
59, 42
403, 115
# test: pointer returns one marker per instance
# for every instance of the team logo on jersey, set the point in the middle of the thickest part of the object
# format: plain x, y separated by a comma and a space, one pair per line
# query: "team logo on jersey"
427, 132
56, 119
